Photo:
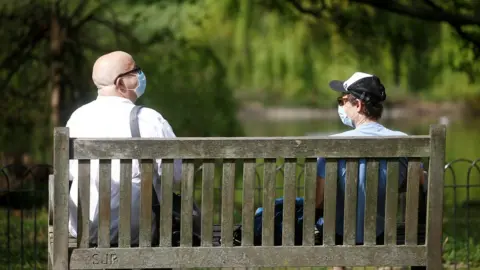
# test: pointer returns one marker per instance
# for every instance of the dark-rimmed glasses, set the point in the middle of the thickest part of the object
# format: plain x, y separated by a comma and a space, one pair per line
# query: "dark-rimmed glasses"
342, 100
134, 70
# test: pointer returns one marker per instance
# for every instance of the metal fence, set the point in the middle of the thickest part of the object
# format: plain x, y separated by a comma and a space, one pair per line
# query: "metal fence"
23, 216
24, 225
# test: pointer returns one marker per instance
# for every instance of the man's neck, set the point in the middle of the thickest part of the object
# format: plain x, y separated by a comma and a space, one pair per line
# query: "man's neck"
363, 121
108, 93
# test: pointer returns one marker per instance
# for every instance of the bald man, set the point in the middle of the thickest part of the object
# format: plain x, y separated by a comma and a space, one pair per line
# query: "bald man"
120, 82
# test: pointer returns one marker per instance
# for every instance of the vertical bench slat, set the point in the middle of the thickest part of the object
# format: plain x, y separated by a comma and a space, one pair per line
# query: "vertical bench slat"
60, 198
207, 202
186, 228
269, 181
248, 201
330, 202
145, 232
104, 203
435, 198
125, 212
289, 192
310, 183
370, 230
413, 185
350, 212
391, 202
83, 214
228, 196
166, 203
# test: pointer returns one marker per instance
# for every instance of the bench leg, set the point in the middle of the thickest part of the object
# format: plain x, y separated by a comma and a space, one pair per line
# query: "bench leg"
50, 263
49, 252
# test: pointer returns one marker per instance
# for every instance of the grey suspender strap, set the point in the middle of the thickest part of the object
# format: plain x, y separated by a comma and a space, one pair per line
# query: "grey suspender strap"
135, 131
134, 126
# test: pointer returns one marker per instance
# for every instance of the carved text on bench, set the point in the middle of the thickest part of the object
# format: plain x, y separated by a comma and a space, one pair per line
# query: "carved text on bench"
104, 258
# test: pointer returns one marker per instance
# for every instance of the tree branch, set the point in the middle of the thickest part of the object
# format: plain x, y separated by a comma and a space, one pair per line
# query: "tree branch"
90, 15
426, 10
468, 37
80, 8
437, 15
314, 12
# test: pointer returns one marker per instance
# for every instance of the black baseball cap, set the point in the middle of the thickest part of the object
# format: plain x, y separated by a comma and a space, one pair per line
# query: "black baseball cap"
364, 86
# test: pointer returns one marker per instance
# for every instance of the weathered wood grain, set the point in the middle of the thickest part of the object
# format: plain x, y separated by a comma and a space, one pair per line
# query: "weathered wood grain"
371, 198
60, 198
396, 252
435, 197
269, 181
288, 225
125, 211
248, 201
291, 147
83, 213
166, 202
330, 202
104, 211
309, 201
208, 178
298, 256
413, 188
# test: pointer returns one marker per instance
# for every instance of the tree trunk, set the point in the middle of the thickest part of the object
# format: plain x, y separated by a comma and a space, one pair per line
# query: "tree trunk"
57, 84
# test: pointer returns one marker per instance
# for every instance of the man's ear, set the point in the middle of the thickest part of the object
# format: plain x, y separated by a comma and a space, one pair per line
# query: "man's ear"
120, 85
359, 106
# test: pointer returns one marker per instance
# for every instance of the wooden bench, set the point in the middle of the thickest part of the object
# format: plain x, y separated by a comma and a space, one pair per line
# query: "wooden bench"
239, 158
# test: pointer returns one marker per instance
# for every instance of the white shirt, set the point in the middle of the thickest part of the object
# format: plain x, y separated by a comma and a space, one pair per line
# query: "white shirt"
109, 117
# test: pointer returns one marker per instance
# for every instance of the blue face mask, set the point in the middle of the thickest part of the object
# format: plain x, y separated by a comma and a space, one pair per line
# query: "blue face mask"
142, 84
345, 119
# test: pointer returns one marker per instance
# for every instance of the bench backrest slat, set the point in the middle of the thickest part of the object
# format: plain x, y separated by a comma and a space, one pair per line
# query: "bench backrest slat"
166, 201
310, 184
289, 195
370, 222
125, 208
391, 202
248, 203
293, 147
208, 184
146, 184
83, 213
350, 212
330, 202
186, 233
228, 200
413, 186
104, 212
269, 195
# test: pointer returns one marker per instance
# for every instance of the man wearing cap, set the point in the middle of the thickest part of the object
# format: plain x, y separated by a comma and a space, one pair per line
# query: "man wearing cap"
360, 107
120, 82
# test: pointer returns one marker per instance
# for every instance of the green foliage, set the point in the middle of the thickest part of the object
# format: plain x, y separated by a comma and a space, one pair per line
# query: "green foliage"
186, 79
202, 57
187, 85
64, 59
